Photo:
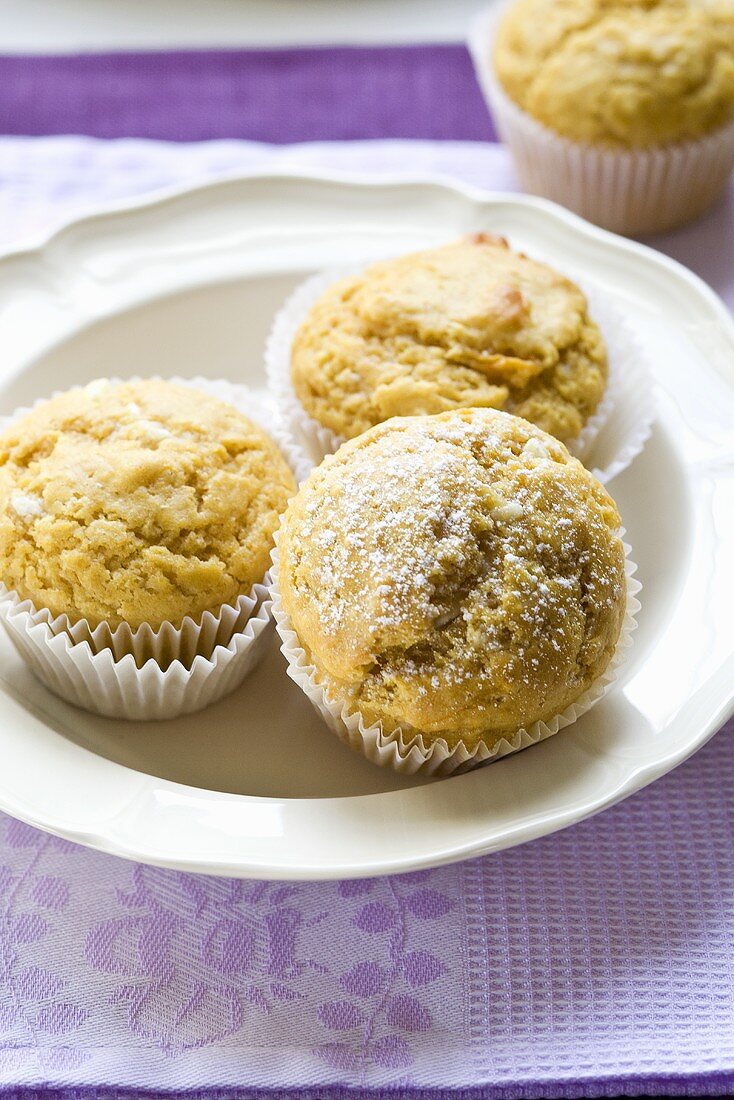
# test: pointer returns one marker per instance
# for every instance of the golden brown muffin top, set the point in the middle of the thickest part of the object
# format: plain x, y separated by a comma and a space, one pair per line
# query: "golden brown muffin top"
457, 575
470, 324
139, 502
626, 73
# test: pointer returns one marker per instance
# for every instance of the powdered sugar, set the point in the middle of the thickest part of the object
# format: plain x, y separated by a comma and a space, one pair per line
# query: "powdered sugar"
416, 549
26, 505
375, 512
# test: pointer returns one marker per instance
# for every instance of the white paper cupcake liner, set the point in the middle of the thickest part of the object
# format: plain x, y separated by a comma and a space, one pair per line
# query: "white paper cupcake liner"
608, 442
627, 191
408, 753
147, 674
175, 679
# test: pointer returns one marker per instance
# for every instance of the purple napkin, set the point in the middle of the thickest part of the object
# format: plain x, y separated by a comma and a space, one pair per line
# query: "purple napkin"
598, 961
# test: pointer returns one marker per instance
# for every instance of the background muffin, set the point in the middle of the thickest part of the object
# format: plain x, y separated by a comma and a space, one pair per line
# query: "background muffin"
470, 324
627, 73
457, 576
139, 502
622, 110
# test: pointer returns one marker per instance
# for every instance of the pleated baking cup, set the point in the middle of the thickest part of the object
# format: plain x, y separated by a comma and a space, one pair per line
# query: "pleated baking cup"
607, 444
142, 675
631, 191
150, 674
406, 751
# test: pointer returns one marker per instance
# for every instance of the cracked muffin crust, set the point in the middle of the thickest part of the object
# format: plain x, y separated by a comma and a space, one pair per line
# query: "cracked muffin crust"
460, 576
470, 324
139, 502
625, 73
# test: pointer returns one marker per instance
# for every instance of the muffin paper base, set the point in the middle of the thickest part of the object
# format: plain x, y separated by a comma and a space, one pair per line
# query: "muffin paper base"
147, 674
408, 753
628, 191
620, 426
172, 681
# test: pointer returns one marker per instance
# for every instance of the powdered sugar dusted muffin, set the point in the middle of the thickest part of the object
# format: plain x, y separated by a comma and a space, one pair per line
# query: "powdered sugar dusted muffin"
459, 576
470, 324
138, 502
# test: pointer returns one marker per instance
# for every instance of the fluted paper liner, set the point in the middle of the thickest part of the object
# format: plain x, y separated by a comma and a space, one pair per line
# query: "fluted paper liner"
629, 191
408, 752
169, 683
147, 674
619, 428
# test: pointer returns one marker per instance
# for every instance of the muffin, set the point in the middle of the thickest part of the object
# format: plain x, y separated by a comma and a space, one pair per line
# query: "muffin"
469, 324
142, 502
456, 579
136, 525
621, 109
628, 75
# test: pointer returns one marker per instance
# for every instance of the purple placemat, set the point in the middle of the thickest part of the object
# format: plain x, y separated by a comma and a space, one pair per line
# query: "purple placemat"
322, 94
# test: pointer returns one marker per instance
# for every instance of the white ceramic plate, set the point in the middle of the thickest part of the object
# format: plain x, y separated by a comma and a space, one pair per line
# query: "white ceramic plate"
256, 786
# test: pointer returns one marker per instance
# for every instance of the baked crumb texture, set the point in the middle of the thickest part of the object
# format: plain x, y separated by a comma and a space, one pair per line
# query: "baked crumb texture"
471, 324
141, 502
460, 576
626, 73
